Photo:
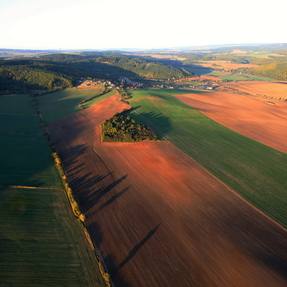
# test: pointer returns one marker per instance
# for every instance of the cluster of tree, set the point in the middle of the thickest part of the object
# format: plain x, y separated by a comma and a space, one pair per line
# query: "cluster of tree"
123, 128
125, 94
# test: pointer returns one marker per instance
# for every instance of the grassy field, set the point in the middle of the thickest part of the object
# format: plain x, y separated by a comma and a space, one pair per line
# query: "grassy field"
239, 76
55, 106
256, 171
41, 243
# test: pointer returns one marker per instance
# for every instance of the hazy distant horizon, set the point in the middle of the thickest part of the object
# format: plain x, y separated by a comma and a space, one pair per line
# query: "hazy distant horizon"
132, 24
137, 49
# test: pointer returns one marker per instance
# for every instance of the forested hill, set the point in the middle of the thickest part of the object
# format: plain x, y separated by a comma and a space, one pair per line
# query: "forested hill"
143, 67
24, 77
55, 71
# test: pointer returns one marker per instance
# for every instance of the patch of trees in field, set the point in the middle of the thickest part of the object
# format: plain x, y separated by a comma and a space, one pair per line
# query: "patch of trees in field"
123, 128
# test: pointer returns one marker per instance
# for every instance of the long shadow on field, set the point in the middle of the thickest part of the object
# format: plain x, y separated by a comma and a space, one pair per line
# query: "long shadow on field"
114, 269
71, 155
117, 278
95, 196
108, 260
113, 198
132, 253
91, 184
159, 123
196, 69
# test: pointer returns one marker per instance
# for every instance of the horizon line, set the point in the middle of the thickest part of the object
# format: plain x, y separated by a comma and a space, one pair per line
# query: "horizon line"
187, 47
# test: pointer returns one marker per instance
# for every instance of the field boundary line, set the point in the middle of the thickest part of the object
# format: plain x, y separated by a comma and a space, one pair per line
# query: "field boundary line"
33, 187
237, 194
71, 200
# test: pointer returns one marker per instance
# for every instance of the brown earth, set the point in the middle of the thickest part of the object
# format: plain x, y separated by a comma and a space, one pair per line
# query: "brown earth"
248, 116
265, 90
225, 65
158, 218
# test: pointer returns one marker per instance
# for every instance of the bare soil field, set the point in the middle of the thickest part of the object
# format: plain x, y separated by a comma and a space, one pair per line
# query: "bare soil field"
266, 90
259, 120
225, 65
158, 218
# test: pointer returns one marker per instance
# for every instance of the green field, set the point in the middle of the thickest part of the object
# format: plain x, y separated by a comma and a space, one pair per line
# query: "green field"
57, 105
41, 242
239, 76
254, 170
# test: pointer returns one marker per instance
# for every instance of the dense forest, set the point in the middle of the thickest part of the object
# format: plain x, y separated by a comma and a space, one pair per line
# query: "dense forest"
144, 67
23, 77
53, 71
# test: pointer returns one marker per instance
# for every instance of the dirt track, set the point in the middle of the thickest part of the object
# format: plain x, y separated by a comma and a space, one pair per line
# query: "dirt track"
249, 116
159, 219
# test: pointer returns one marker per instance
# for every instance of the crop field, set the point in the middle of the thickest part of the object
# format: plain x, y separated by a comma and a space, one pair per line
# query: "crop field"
256, 171
236, 76
158, 217
56, 105
256, 119
265, 90
222, 65
41, 243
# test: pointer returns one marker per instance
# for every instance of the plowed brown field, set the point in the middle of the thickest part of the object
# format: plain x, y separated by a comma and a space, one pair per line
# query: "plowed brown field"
158, 218
249, 116
265, 90
225, 65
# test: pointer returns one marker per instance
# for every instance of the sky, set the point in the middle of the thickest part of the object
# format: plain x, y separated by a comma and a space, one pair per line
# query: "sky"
142, 24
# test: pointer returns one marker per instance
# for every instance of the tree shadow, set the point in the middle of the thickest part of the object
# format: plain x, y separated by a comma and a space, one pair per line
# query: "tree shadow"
132, 253
117, 278
197, 69
89, 187
186, 67
108, 261
95, 196
113, 198
114, 268
159, 123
